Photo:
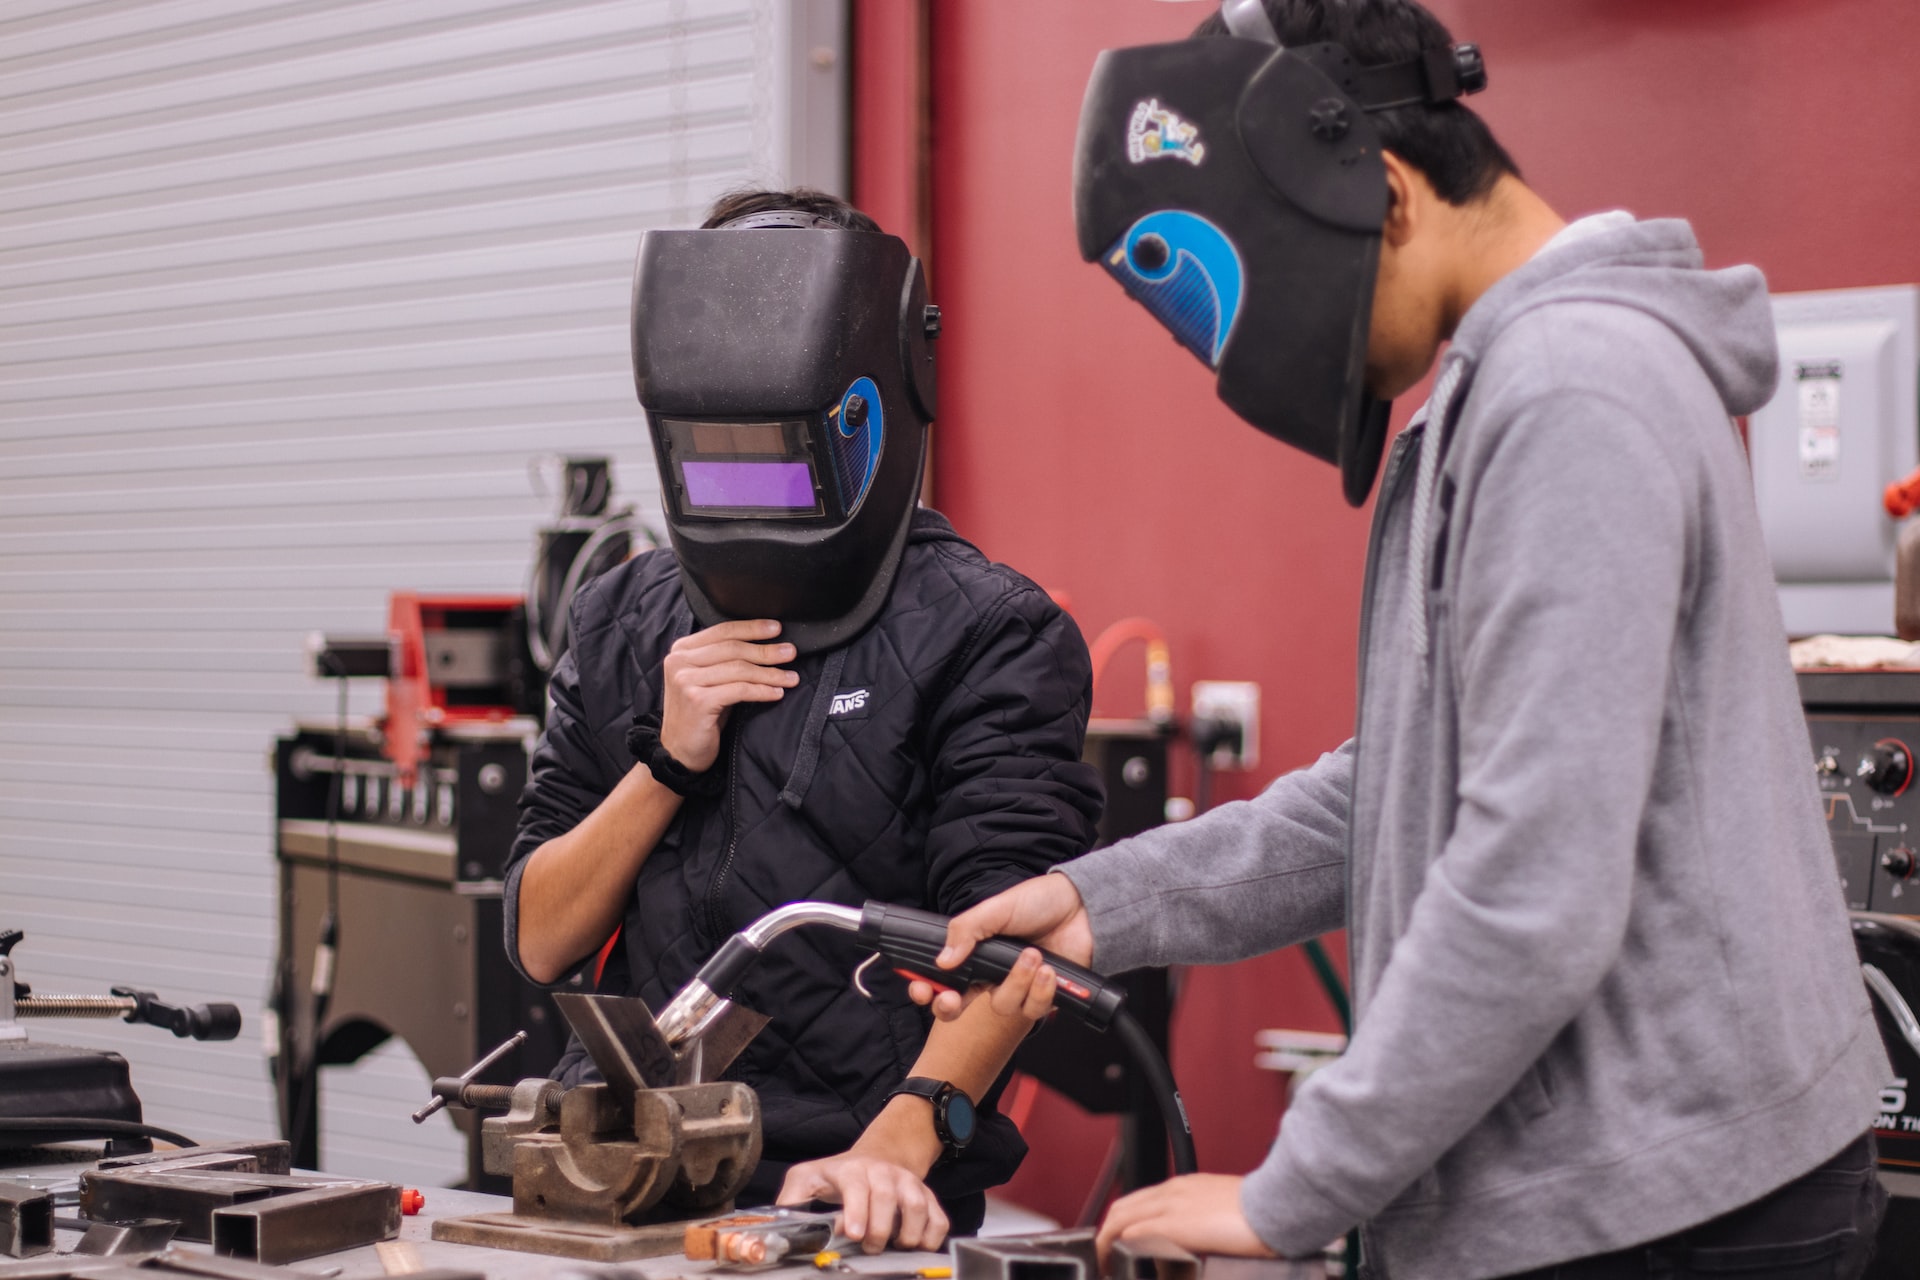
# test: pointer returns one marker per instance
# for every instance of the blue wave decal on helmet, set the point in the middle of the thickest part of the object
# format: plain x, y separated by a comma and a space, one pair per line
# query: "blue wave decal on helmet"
856, 444
1184, 270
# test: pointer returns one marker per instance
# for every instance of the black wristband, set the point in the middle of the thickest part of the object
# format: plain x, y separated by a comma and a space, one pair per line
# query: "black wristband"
643, 740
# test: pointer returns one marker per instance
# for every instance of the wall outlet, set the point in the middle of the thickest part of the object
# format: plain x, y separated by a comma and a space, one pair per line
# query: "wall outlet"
1219, 706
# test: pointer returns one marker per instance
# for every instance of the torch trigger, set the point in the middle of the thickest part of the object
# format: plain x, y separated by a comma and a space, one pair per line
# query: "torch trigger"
860, 972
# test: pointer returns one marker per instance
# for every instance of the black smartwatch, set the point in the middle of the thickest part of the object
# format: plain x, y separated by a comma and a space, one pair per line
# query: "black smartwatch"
952, 1111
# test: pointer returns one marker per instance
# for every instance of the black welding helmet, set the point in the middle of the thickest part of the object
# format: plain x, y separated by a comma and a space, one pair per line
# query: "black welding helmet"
786, 370
1235, 189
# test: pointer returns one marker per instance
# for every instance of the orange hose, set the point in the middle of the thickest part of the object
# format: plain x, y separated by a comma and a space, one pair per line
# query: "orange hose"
1159, 662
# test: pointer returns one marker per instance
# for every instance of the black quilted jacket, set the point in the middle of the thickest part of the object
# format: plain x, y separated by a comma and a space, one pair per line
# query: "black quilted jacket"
933, 761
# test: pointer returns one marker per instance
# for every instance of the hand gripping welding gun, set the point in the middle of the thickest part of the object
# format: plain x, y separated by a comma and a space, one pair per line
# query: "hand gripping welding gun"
910, 940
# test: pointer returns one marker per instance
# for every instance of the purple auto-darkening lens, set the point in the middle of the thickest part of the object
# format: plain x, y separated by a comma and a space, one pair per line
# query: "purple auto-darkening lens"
776, 485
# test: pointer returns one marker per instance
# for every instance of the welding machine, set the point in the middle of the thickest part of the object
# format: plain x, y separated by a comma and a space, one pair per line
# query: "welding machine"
1864, 728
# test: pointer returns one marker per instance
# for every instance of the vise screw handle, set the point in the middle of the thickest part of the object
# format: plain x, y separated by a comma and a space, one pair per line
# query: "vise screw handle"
462, 1090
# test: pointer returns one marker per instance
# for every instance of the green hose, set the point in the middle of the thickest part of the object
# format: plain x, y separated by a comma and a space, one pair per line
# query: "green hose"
1330, 982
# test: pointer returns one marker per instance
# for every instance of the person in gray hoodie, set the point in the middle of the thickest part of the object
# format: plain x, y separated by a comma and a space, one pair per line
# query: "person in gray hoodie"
1609, 1021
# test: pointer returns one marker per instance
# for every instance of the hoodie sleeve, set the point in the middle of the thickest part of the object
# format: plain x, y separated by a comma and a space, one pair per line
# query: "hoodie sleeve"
1570, 580
1246, 878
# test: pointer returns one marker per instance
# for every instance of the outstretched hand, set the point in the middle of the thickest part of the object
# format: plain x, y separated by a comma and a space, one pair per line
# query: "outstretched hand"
707, 673
880, 1200
1199, 1212
1047, 910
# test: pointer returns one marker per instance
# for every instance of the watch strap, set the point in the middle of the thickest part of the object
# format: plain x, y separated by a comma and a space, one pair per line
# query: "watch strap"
934, 1091
919, 1086
643, 740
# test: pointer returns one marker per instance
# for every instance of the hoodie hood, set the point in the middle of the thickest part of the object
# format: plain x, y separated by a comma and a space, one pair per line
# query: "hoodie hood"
1655, 267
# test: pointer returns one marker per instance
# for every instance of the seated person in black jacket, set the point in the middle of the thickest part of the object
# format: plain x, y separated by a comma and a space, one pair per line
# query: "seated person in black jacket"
932, 759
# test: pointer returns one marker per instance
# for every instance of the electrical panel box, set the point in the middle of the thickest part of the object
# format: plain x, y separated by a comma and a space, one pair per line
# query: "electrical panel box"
1842, 426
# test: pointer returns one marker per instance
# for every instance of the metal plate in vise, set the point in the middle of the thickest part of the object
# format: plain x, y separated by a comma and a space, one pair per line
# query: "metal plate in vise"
714, 1050
621, 1038
625, 1042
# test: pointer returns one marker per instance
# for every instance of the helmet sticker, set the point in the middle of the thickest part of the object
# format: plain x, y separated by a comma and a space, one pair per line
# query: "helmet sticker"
1154, 132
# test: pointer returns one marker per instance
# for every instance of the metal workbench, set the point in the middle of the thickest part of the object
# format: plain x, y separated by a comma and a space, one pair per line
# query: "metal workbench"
416, 1231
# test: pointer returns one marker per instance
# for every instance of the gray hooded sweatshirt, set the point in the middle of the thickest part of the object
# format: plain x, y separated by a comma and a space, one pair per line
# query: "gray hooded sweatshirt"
1603, 981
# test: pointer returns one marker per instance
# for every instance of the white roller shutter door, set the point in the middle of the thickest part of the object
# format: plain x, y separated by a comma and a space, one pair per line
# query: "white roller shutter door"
290, 296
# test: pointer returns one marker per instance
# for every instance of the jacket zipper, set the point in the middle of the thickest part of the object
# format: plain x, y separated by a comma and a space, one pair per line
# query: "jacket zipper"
1389, 483
715, 923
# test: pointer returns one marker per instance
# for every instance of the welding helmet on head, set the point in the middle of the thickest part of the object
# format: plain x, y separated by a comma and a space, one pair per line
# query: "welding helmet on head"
1235, 189
786, 369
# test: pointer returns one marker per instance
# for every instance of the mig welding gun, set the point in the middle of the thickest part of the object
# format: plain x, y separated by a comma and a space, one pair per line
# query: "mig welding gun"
909, 940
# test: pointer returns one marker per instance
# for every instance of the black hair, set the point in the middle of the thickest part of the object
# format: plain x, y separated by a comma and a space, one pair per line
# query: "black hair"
1448, 143
742, 203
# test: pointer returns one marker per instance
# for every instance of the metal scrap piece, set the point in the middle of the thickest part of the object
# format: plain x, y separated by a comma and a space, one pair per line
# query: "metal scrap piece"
1151, 1259
188, 1196
587, 1241
1222, 1267
67, 1266
26, 1221
194, 1263
272, 1155
117, 1239
1058, 1255
325, 1219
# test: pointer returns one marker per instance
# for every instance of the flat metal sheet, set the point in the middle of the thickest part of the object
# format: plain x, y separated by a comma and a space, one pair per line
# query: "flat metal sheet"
621, 1038
709, 1055
560, 1239
117, 1239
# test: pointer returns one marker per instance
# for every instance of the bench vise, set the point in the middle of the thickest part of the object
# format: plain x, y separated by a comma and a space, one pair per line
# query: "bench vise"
612, 1171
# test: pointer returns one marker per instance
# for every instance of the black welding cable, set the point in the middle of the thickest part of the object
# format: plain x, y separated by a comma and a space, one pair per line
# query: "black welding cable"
1159, 1076
90, 1127
331, 926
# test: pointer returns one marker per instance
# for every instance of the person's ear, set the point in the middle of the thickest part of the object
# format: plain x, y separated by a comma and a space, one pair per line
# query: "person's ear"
1403, 202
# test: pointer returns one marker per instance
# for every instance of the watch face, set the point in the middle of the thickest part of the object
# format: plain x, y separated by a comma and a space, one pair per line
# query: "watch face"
960, 1118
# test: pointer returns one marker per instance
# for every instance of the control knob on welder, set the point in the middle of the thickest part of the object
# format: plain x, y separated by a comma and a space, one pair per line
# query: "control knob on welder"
1888, 768
1898, 862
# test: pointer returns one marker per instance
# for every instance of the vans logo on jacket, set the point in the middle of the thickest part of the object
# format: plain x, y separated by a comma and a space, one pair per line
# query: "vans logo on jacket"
848, 704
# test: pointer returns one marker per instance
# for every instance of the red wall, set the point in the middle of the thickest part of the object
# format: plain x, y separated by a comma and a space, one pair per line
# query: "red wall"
1077, 442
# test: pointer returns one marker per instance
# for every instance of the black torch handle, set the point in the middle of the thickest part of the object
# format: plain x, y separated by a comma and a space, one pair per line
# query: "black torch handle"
910, 939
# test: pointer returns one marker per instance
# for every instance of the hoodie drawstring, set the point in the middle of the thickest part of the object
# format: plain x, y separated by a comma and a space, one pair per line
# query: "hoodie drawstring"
1420, 535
